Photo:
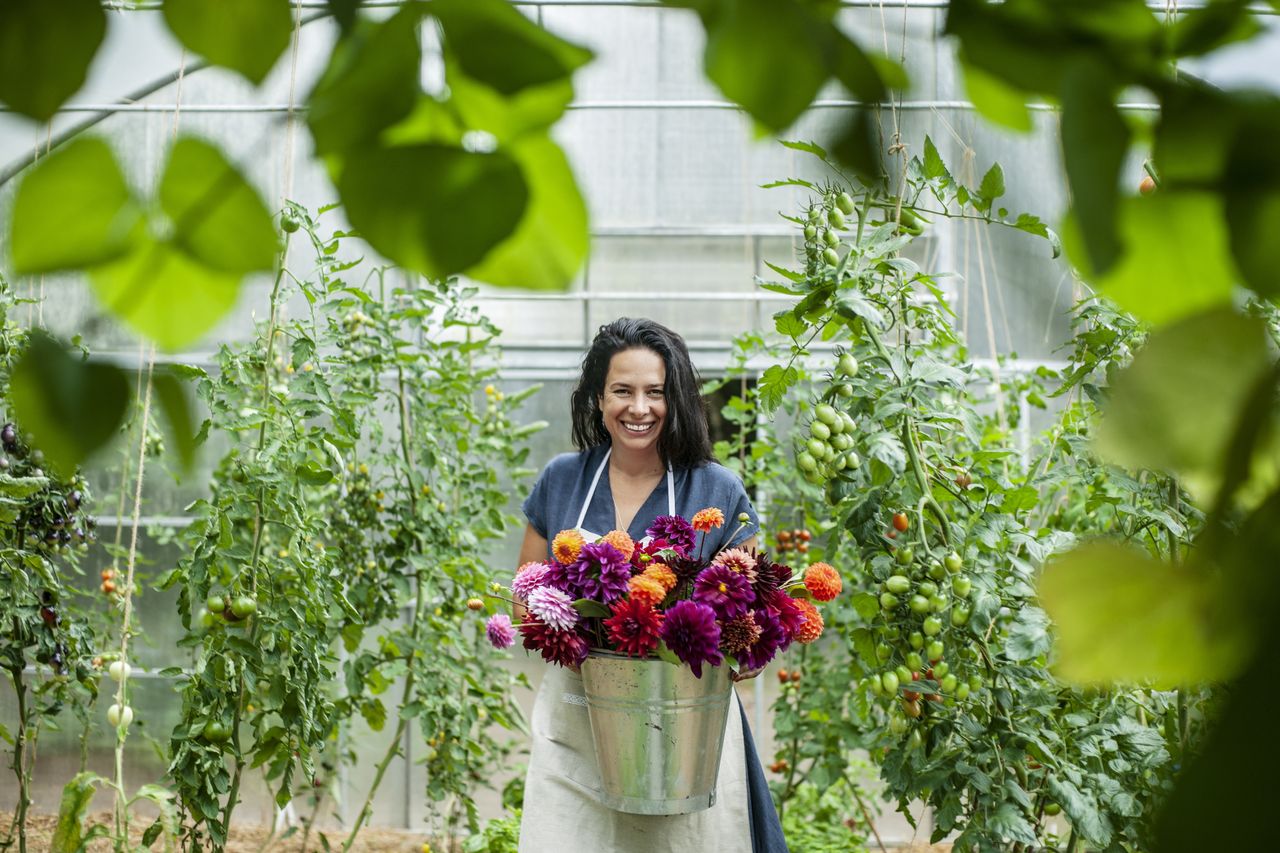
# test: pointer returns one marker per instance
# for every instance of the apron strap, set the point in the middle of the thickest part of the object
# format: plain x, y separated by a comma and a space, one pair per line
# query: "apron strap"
671, 490
591, 492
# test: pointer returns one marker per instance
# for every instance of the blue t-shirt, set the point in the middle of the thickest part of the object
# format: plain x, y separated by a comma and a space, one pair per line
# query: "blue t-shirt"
557, 498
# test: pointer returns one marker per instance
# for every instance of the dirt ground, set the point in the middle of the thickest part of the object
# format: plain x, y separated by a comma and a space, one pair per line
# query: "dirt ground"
244, 839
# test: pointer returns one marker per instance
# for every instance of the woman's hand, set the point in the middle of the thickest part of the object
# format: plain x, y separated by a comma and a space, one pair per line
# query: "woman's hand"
744, 675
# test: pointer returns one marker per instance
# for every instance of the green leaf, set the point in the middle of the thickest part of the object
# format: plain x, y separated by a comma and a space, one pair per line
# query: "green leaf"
1121, 616
345, 12
170, 394
934, 167
665, 653
72, 407
436, 209
371, 83
314, 474
1253, 197
164, 294
808, 147
773, 385
73, 210
45, 52
864, 75
1176, 261
1008, 821
247, 36
590, 608
788, 324
1094, 141
19, 488
549, 244
68, 835
218, 218
1198, 31
995, 100
991, 188
1147, 422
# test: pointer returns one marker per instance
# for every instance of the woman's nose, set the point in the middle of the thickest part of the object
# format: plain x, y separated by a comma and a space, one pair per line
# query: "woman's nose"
639, 406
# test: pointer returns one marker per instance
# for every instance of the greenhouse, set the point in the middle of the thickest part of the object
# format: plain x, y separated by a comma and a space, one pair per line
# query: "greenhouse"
543, 426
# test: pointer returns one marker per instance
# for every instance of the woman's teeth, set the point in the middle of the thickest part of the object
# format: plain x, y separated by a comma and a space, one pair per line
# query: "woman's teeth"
638, 427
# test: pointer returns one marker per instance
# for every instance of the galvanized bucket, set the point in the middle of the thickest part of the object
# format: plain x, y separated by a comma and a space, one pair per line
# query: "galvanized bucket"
658, 732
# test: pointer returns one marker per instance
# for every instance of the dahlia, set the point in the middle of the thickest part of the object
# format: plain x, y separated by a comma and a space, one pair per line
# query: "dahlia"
769, 575
646, 589
600, 572
788, 612
554, 607
620, 540
529, 577
675, 530
706, 520
739, 560
647, 552
689, 629
738, 634
566, 546
772, 637
662, 574
813, 624
634, 627
566, 648
822, 581
500, 632
724, 591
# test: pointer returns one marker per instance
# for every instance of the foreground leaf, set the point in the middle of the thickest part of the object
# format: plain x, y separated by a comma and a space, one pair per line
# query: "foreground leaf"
247, 36
45, 52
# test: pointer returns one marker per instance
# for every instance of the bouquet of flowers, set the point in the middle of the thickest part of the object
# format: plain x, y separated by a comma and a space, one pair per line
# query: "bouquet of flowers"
663, 597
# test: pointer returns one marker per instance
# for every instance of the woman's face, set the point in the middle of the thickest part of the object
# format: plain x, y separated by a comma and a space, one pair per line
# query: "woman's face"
634, 405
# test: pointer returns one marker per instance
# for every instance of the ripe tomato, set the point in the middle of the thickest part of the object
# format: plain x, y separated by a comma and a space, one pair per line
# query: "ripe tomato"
1147, 185
911, 708
804, 535
900, 521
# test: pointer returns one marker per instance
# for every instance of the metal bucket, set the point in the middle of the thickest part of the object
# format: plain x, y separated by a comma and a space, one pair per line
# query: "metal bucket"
658, 732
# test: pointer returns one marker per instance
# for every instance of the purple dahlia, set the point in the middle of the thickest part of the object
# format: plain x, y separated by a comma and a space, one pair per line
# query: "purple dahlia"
725, 591
500, 632
530, 577
600, 573
677, 531
772, 637
689, 629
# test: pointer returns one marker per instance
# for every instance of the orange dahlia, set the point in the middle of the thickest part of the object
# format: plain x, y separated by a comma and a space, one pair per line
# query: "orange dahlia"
647, 589
663, 575
706, 520
813, 624
566, 546
620, 540
822, 581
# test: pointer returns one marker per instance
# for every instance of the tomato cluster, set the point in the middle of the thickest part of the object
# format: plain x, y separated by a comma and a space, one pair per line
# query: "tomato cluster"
54, 517
793, 540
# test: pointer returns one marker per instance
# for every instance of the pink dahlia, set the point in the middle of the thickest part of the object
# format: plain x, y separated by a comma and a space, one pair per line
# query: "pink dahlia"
739, 560
724, 591
600, 573
566, 648
554, 607
634, 627
529, 577
674, 529
500, 632
689, 629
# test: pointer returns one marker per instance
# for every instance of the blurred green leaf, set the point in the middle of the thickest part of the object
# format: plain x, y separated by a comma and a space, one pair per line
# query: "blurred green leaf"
171, 395
165, 294
1197, 31
45, 52
549, 244
218, 217
1176, 261
1177, 406
995, 100
345, 13
1121, 616
246, 36
73, 210
371, 82
1094, 142
433, 208
71, 406
1253, 195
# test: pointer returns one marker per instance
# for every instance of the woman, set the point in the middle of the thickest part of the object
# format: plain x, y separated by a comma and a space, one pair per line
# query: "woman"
644, 452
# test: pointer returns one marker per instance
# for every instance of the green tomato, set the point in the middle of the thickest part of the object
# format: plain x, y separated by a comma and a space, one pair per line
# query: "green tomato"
216, 731
847, 365
243, 605
827, 414
904, 674
918, 604
934, 651
948, 683
874, 685
1052, 809
806, 462
915, 740
844, 390
938, 603
961, 585
889, 681
888, 601
954, 563
940, 669
819, 430
845, 202
904, 556
206, 619
816, 447
119, 715
932, 626
847, 420
853, 459
831, 238
289, 223
810, 232
831, 256
914, 661
898, 584
841, 442
976, 683
898, 724
960, 615
883, 652
835, 218
215, 603
916, 640
962, 690
928, 589
937, 571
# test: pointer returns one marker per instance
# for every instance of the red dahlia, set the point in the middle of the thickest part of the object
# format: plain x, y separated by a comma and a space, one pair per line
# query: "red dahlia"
634, 627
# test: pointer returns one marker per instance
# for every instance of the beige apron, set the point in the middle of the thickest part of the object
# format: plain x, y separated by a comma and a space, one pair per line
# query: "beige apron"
562, 810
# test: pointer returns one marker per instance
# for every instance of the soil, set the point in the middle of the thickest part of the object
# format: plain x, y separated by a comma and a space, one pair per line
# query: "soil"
244, 839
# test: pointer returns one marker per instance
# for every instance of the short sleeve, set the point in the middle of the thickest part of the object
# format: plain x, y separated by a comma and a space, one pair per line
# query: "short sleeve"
535, 506
740, 503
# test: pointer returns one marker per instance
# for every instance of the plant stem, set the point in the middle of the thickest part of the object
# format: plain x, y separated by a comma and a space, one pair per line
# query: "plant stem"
19, 769
866, 812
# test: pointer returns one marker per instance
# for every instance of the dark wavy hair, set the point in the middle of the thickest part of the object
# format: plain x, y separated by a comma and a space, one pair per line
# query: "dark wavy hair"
685, 440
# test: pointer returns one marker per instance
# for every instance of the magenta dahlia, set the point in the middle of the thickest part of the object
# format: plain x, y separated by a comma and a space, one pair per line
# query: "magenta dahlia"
566, 648
600, 573
790, 614
725, 591
766, 646
677, 531
689, 629
500, 632
634, 626
554, 607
